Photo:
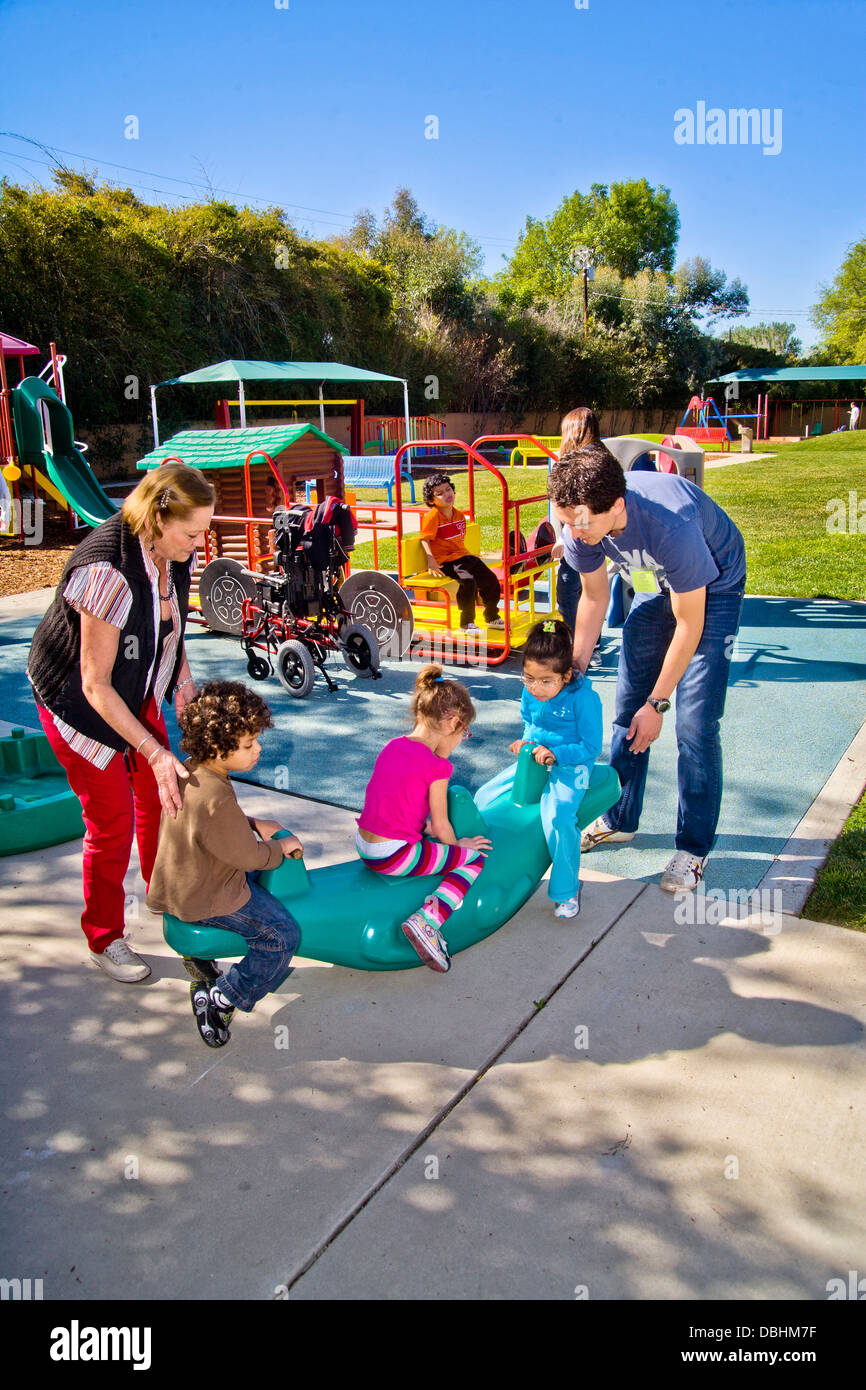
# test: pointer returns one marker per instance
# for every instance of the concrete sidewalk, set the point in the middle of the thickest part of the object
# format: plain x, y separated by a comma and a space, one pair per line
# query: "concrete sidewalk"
626, 1104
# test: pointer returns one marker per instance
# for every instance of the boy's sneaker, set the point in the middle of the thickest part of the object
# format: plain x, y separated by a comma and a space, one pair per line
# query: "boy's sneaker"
428, 942
120, 963
600, 833
497, 622
211, 1019
201, 972
570, 908
683, 873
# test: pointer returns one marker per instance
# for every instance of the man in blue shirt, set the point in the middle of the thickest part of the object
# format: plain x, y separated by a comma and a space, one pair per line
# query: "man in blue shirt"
685, 559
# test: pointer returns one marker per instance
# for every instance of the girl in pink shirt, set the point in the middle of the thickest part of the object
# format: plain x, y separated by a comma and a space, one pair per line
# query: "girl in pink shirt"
407, 796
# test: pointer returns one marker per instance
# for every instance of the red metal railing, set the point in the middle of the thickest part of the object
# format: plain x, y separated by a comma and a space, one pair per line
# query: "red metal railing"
509, 562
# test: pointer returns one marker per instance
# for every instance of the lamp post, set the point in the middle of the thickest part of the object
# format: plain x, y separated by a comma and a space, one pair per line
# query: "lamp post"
582, 259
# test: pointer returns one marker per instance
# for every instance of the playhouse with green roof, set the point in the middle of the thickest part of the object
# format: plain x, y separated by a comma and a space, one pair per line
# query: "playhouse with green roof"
299, 453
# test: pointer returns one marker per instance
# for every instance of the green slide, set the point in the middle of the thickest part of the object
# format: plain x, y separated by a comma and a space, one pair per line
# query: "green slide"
43, 430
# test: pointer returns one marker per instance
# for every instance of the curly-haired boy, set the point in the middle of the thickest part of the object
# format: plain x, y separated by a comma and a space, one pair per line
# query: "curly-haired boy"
209, 859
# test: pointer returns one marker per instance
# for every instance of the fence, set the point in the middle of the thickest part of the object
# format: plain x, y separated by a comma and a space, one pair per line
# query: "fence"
383, 434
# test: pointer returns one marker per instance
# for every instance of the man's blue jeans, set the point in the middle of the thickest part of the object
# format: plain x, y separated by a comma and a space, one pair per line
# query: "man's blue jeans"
273, 936
568, 591
700, 704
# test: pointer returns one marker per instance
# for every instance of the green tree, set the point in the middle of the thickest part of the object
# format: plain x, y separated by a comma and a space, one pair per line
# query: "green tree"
705, 293
132, 290
628, 226
778, 338
841, 311
431, 267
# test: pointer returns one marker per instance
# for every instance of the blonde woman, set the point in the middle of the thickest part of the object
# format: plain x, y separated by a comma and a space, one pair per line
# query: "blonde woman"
109, 650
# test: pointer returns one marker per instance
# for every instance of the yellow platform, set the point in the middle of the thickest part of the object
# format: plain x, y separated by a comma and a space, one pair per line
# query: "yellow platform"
432, 620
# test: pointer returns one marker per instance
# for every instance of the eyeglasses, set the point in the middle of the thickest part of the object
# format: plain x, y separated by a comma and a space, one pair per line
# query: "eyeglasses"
465, 733
546, 682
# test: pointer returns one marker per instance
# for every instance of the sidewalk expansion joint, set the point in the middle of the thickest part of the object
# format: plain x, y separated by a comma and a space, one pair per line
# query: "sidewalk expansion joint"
445, 1110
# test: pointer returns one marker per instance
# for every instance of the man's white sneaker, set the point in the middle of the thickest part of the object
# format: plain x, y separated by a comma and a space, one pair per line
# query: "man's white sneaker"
120, 963
570, 908
683, 873
600, 833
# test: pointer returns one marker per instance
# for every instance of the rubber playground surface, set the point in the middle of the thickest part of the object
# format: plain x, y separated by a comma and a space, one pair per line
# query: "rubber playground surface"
796, 699
559, 1116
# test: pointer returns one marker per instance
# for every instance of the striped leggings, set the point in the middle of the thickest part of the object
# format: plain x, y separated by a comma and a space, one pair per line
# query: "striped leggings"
460, 866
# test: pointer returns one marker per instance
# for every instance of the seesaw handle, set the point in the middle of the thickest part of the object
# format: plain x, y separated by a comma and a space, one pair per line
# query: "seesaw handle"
281, 835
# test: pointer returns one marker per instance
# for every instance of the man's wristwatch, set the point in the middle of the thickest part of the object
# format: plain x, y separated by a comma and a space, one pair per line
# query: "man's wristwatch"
660, 706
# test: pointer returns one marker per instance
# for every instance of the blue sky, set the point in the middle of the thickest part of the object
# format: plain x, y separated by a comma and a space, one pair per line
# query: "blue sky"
321, 107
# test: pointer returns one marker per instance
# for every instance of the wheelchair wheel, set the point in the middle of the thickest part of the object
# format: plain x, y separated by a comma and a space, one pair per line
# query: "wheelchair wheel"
360, 649
222, 588
295, 669
258, 668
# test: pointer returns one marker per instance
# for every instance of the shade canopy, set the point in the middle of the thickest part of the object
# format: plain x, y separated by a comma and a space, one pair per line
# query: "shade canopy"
782, 374
16, 347
238, 369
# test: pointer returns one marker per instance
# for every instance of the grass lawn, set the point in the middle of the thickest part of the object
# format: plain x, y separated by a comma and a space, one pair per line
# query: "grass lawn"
839, 895
783, 506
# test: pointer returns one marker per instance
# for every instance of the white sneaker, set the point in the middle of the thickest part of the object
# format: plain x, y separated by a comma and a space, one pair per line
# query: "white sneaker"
683, 873
120, 963
600, 833
570, 908
428, 942
497, 622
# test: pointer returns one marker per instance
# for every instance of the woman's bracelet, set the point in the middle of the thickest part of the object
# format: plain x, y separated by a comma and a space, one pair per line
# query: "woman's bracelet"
144, 740
189, 681
159, 749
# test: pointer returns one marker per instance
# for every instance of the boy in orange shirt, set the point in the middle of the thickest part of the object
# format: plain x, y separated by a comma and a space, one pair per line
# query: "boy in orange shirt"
443, 531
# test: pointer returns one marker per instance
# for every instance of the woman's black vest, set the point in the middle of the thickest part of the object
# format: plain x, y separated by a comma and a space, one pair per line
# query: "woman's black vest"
54, 666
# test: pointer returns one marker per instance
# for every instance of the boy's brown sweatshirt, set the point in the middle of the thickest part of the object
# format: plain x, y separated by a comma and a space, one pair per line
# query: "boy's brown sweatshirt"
205, 853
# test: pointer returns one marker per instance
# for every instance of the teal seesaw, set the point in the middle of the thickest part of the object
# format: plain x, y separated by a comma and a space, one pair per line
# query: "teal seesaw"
37, 806
351, 916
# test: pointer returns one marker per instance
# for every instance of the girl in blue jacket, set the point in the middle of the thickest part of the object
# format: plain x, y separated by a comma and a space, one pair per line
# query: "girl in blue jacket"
562, 719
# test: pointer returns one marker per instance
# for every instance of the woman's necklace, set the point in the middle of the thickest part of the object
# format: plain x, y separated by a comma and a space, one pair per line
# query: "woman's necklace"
169, 575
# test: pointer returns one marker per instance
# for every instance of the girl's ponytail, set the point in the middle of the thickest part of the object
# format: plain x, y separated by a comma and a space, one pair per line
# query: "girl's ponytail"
435, 698
550, 643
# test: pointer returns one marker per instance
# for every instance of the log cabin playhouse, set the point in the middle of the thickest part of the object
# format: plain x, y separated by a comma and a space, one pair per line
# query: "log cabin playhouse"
239, 464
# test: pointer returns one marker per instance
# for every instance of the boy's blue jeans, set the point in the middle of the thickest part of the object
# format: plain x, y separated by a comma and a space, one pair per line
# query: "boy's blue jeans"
700, 704
560, 803
273, 936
